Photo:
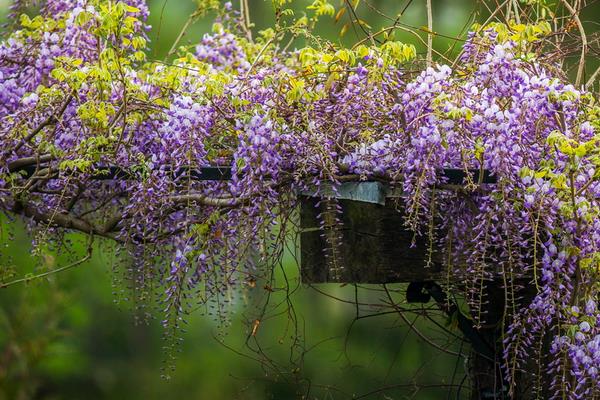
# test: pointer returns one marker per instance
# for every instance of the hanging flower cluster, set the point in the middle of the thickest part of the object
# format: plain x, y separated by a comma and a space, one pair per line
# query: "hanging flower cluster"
77, 95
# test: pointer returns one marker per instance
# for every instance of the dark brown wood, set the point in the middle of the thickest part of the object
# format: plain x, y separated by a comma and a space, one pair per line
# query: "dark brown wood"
485, 372
374, 246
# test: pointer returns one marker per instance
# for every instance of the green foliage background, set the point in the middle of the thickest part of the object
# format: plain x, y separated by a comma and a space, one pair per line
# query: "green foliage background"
65, 338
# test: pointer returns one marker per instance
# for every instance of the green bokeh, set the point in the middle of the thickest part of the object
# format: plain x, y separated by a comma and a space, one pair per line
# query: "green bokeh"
65, 338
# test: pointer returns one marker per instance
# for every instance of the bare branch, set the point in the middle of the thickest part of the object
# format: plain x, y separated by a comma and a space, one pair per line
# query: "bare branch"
429, 34
584, 43
16, 165
51, 120
592, 79
208, 201
61, 220
52, 272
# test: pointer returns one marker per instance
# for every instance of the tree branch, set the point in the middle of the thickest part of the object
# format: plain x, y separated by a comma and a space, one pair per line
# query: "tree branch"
209, 201
584, 44
51, 120
21, 163
61, 220
429, 34
48, 273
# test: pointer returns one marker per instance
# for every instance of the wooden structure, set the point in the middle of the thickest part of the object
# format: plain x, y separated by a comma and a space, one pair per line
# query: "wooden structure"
373, 244
373, 247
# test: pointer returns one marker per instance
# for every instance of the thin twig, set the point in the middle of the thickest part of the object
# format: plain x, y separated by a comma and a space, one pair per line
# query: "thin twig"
190, 19
48, 273
429, 34
258, 56
245, 18
584, 43
207, 200
592, 79
51, 120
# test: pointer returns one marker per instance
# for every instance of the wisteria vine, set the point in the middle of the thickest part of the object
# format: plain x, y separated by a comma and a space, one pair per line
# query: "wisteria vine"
77, 94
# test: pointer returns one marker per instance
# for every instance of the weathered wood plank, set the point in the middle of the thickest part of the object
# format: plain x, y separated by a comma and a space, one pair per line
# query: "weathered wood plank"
374, 246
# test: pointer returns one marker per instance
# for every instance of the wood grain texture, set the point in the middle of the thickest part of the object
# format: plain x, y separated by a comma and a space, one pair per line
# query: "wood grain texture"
374, 247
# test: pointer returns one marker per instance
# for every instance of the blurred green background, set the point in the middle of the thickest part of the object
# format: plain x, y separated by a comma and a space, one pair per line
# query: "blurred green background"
67, 338
72, 337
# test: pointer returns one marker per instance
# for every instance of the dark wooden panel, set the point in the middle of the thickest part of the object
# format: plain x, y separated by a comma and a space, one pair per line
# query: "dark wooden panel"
374, 246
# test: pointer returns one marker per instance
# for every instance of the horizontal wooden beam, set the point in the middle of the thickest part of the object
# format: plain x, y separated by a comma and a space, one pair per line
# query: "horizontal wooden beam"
30, 165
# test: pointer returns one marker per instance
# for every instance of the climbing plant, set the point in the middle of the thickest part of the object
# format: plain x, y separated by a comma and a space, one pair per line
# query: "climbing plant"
98, 137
